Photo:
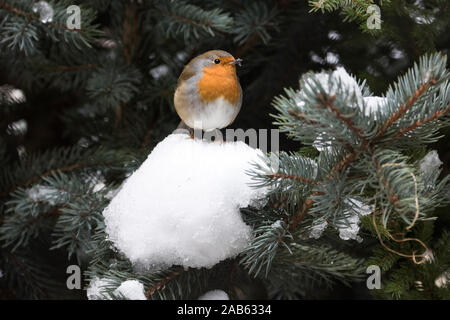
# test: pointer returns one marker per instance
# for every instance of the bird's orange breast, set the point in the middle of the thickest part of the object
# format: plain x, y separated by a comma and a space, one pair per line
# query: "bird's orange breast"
219, 81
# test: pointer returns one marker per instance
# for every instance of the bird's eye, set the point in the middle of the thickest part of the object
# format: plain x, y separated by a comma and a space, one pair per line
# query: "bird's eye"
217, 61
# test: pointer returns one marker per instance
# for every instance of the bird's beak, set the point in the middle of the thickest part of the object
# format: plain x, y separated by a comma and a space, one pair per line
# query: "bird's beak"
237, 61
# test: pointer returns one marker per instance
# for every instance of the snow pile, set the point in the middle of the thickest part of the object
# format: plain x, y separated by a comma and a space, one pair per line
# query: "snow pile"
374, 104
322, 142
340, 80
443, 280
318, 228
181, 207
97, 289
357, 210
214, 295
43, 193
430, 163
9, 94
18, 128
350, 224
130, 289
45, 10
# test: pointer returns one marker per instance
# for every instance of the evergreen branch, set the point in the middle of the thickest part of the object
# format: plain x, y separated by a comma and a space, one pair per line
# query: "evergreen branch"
292, 177
264, 246
35, 167
310, 265
438, 114
352, 9
10, 8
51, 172
71, 68
348, 159
35, 179
26, 273
255, 21
405, 107
55, 28
30, 16
395, 180
71, 199
192, 21
328, 101
307, 205
301, 117
159, 285
175, 283
425, 255
113, 86
53, 213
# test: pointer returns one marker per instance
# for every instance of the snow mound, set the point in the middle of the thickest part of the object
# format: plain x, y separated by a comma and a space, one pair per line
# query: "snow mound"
214, 295
129, 289
430, 162
350, 224
336, 80
97, 289
358, 210
181, 207
132, 290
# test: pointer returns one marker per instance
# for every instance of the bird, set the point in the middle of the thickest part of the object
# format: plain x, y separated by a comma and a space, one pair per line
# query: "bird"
208, 95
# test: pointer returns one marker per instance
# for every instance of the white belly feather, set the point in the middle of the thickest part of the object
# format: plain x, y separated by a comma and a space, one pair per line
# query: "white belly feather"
216, 114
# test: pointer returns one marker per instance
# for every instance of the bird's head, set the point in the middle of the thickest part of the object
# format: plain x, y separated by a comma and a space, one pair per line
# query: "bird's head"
217, 62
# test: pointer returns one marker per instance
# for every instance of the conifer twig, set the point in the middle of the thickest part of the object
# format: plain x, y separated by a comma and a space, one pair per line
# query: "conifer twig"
163, 282
404, 107
292, 177
438, 114
307, 205
30, 17
328, 101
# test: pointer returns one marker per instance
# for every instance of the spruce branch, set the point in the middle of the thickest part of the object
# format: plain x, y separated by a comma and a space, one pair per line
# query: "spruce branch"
56, 28
291, 177
363, 161
328, 101
32, 16
192, 22
405, 107
160, 284
263, 248
71, 68
302, 212
437, 115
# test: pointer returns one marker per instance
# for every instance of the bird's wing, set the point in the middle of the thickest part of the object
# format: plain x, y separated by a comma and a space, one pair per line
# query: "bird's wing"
188, 72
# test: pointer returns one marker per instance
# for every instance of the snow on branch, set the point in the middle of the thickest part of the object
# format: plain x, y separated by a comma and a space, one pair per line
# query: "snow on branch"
361, 165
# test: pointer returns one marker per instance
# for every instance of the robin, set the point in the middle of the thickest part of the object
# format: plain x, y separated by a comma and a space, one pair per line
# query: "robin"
208, 94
